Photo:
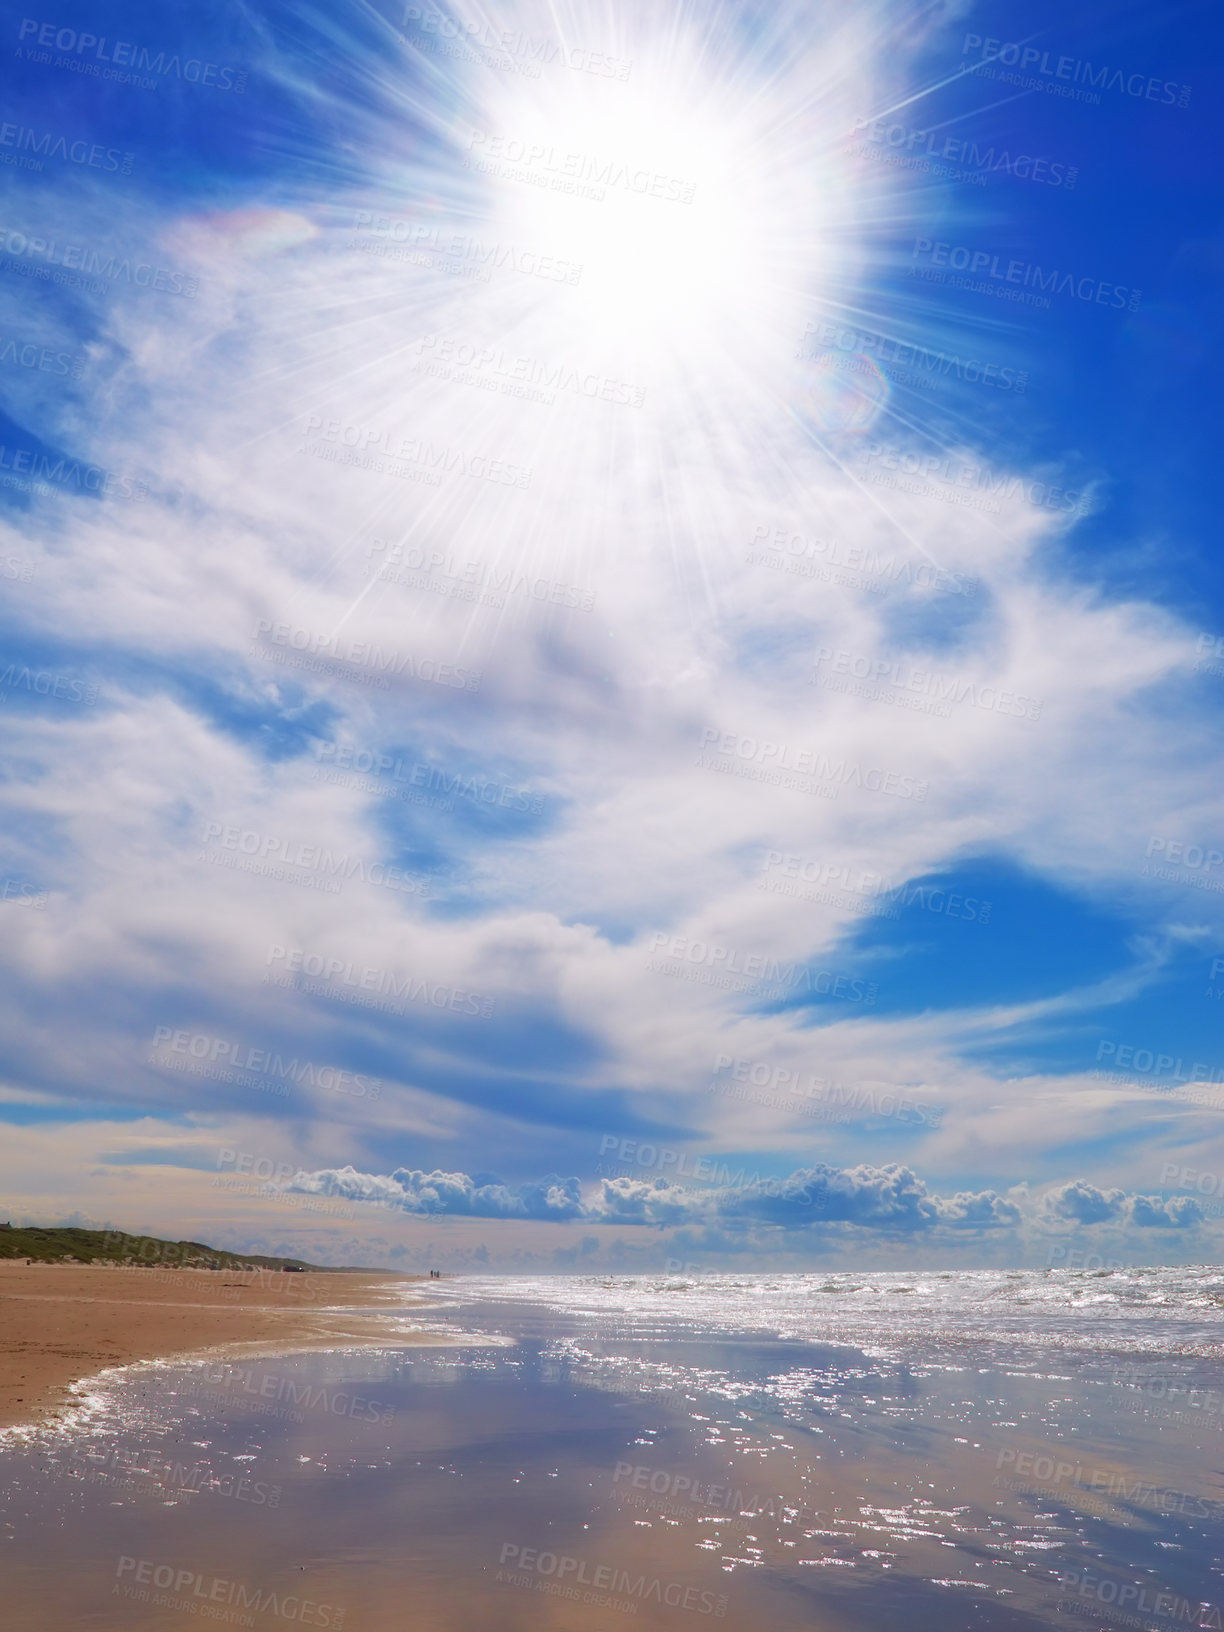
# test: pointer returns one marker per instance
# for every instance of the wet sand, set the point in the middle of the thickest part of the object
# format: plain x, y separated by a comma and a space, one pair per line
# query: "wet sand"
61, 1323
581, 1479
587, 1476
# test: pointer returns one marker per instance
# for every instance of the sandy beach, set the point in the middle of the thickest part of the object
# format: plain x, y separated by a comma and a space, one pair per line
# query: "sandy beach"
578, 1452
60, 1323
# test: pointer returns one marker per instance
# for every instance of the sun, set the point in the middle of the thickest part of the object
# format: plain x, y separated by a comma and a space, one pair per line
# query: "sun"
684, 232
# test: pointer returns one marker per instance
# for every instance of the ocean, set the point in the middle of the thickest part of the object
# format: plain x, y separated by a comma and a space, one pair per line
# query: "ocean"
933, 1450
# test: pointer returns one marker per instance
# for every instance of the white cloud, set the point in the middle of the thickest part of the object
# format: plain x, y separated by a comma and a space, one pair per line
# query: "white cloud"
658, 509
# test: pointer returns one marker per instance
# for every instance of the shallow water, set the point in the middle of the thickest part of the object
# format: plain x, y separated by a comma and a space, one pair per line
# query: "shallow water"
1157, 1310
756, 1453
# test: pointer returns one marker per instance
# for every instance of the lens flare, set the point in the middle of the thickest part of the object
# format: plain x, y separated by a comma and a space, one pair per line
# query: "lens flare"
844, 391
251, 233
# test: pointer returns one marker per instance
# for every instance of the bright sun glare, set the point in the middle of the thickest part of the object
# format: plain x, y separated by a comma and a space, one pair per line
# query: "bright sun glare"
654, 201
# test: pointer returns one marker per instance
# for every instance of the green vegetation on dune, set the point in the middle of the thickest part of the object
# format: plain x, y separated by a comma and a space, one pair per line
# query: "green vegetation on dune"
63, 1245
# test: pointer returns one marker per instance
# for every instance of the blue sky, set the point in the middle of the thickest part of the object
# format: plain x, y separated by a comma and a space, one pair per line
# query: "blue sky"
614, 626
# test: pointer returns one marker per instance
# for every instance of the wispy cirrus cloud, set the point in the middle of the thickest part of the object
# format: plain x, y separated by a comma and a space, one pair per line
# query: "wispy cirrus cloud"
408, 526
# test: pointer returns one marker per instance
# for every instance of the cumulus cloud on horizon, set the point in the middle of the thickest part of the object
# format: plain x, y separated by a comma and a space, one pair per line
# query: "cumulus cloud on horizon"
1082, 1203
890, 1198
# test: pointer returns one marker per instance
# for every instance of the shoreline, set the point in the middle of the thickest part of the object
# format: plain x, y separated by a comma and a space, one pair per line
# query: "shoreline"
64, 1324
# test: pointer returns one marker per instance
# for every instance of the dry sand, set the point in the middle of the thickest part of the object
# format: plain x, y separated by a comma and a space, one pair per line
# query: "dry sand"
60, 1323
